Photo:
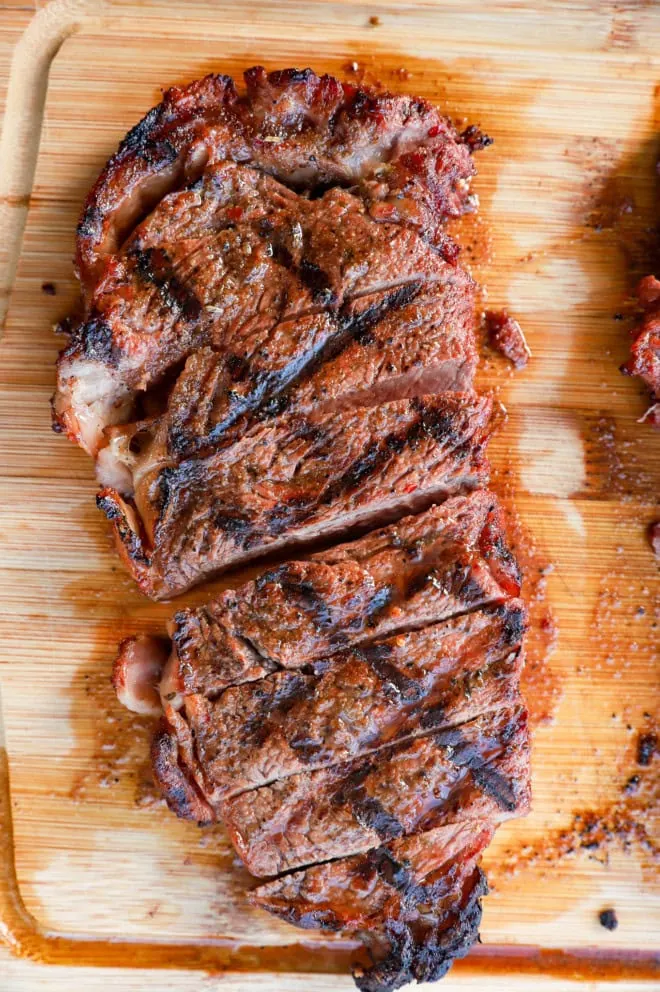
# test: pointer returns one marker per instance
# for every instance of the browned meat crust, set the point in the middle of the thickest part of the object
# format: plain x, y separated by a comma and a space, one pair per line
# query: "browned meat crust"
645, 353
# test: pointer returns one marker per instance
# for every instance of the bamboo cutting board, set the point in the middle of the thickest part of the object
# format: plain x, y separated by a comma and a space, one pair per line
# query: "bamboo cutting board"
565, 226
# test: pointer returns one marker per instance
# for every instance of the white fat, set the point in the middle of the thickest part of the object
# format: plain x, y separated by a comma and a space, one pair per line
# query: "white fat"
170, 683
137, 673
89, 398
113, 471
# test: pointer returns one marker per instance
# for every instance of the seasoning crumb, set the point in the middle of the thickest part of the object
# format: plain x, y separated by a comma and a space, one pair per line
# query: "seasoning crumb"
608, 919
647, 745
374, 21
632, 785
48, 288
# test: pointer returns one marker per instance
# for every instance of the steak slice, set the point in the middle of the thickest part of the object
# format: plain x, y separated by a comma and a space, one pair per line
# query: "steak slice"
407, 161
476, 771
356, 701
288, 483
450, 560
418, 897
645, 357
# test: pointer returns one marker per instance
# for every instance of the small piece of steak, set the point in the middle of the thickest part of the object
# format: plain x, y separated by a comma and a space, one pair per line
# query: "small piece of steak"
645, 353
506, 336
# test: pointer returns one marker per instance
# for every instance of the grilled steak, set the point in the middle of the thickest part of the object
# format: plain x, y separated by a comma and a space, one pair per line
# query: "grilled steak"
421, 893
645, 358
276, 347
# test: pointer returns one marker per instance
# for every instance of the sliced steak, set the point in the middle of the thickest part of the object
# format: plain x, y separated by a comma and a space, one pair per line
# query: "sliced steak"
357, 700
645, 357
418, 897
450, 560
407, 160
288, 483
476, 771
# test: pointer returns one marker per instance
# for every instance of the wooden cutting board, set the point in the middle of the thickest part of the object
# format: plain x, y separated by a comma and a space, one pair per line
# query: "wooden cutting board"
566, 225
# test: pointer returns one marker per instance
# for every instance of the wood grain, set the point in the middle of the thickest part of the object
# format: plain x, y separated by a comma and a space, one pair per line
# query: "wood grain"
567, 195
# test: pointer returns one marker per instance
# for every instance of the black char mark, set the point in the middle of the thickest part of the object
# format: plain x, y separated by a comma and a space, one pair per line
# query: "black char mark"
395, 685
154, 266
424, 952
367, 810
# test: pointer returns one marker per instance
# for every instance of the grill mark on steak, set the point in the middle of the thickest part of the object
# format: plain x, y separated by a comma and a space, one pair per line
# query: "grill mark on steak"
153, 266
395, 685
496, 786
371, 814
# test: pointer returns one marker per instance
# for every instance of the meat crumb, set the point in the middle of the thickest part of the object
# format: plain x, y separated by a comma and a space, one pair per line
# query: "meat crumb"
654, 538
608, 919
374, 21
647, 745
632, 785
506, 336
48, 288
